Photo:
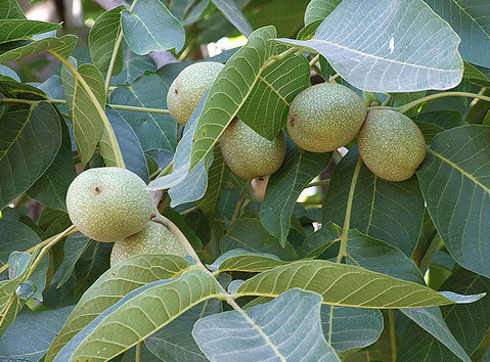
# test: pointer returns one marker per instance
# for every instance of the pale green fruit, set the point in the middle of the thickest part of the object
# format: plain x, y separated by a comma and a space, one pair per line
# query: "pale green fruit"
325, 117
391, 145
189, 86
109, 203
155, 238
250, 155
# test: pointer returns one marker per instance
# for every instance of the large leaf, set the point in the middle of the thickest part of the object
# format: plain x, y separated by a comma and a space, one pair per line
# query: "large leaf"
390, 211
102, 39
471, 20
284, 188
29, 141
432, 321
111, 287
28, 338
347, 286
155, 131
232, 88
231, 11
10, 9
17, 29
286, 329
135, 316
87, 120
62, 46
131, 149
455, 182
150, 26
389, 46
351, 328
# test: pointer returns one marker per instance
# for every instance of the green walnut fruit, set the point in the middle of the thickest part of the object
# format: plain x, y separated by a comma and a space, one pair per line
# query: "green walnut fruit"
325, 117
189, 86
391, 145
155, 238
250, 155
109, 203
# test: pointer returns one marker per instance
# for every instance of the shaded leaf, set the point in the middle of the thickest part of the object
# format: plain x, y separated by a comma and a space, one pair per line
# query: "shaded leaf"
62, 46
216, 180
29, 141
15, 235
18, 29
10, 304
245, 261
286, 329
432, 123
317, 10
455, 182
10, 9
234, 15
387, 63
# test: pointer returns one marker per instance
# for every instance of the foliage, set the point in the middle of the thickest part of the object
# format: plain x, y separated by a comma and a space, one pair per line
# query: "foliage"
322, 260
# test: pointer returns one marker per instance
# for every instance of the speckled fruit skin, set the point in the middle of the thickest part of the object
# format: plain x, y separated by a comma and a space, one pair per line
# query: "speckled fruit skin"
325, 117
109, 203
189, 86
250, 155
155, 238
391, 145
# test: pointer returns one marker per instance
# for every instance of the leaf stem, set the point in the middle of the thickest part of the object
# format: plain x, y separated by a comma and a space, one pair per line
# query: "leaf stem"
344, 236
391, 321
137, 356
115, 51
410, 105
280, 56
118, 158
314, 60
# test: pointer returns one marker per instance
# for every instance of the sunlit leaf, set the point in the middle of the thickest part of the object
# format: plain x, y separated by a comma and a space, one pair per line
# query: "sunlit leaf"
62, 46
17, 29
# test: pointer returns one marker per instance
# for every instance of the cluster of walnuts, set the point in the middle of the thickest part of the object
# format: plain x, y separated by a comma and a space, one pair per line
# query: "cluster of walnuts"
112, 204
321, 118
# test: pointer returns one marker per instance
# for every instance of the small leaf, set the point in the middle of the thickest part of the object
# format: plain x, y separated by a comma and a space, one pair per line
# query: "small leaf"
216, 181
471, 20
62, 46
344, 285
152, 27
456, 187
234, 15
102, 39
134, 66
286, 329
19, 29
284, 188
390, 211
387, 62
87, 121
111, 287
28, 338
15, 235
246, 261
29, 141
10, 9
351, 328
134, 317
74, 248
10, 304
317, 10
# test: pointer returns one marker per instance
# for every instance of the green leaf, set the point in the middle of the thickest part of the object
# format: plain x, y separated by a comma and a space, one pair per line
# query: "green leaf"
51, 188
10, 9
10, 304
234, 15
455, 182
284, 188
150, 26
28, 338
75, 246
102, 39
14, 89
88, 124
345, 285
475, 75
111, 287
231, 90
317, 10
216, 179
387, 63
175, 342
19, 29
319, 241
9, 72
134, 67
246, 261
381, 257
266, 108
131, 149
390, 211
29, 141
155, 131
351, 328
286, 329
15, 235
62, 46
134, 317
471, 20
432, 123
430, 319
248, 233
